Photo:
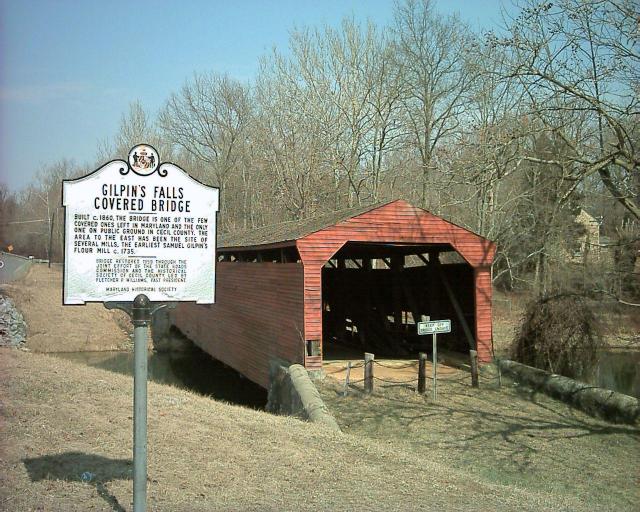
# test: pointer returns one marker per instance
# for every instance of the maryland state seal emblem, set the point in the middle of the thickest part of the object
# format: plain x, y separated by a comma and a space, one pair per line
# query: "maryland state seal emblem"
143, 159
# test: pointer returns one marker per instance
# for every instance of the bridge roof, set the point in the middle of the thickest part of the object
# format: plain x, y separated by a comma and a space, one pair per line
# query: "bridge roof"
286, 233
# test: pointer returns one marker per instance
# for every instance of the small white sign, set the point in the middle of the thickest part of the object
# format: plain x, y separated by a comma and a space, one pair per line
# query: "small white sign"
139, 227
434, 327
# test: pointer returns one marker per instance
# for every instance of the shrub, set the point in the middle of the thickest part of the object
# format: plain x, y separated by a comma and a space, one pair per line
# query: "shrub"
559, 333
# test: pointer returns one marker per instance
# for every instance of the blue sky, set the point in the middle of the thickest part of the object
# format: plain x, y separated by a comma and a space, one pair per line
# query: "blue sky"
69, 69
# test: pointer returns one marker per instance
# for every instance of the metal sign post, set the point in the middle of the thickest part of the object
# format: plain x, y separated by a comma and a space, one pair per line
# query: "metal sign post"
434, 367
141, 317
140, 236
434, 327
141, 311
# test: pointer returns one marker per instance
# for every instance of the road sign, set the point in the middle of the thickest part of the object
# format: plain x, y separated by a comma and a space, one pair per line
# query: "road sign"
139, 227
434, 327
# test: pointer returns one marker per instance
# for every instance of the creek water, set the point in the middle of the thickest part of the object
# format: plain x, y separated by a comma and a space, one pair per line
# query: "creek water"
619, 370
194, 370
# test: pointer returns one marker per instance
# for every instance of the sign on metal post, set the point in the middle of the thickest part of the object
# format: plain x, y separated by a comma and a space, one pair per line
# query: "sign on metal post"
434, 327
139, 226
140, 235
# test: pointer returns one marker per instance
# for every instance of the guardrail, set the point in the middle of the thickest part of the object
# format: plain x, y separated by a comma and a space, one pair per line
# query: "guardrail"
13, 266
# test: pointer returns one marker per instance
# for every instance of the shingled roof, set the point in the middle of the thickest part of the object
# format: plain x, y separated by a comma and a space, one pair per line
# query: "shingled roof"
292, 230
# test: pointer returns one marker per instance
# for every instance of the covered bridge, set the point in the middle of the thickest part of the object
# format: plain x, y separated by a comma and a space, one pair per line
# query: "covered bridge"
357, 279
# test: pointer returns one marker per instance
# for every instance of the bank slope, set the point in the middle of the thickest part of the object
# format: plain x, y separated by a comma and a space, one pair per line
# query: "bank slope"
61, 419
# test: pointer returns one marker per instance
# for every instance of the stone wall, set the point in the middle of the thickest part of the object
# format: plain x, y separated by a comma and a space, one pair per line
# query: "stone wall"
13, 329
292, 392
603, 403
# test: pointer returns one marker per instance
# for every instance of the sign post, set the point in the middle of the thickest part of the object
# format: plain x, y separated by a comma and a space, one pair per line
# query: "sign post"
434, 328
140, 324
140, 236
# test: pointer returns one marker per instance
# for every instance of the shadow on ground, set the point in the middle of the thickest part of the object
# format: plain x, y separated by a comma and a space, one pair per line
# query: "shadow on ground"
507, 435
92, 469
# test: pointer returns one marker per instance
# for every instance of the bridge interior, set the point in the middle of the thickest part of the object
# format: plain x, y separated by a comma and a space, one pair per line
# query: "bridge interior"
375, 293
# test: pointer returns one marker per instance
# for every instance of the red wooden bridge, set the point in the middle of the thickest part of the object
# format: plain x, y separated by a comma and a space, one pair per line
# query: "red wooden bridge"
361, 278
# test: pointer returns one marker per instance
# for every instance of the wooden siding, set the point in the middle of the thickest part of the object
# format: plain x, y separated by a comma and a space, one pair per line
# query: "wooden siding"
258, 316
483, 299
396, 222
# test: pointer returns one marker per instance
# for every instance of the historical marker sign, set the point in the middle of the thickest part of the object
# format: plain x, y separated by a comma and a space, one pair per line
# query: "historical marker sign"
434, 327
139, 227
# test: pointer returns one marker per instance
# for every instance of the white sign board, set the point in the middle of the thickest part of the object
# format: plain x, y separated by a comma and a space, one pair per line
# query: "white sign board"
434, 327
139, 227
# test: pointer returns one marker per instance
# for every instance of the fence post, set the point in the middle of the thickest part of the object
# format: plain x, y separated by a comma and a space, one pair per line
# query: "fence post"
474, 368
346, 379
422, 373
368, 372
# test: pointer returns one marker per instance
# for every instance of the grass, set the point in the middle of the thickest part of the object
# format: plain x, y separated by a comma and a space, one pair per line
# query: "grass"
504, 435
487, 449
52, 327
60, 419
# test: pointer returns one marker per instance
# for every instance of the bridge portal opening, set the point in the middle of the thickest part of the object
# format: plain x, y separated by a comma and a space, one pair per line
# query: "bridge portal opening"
373, 294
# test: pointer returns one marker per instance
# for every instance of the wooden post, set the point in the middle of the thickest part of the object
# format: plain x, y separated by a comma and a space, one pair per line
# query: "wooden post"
456, 306
346, 379
474, 368
434, 296
368, 372
51, 222
422, 373
397, 264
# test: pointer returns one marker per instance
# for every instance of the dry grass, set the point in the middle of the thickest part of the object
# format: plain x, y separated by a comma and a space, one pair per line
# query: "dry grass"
507, 314
505, 435
52, 327
487, 450
61, 419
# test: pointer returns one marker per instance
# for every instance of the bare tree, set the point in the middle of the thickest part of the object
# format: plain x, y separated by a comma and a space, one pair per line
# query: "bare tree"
8, 207
363, 67
208, 119
582, 57
435, 80
136, 127
37, 224
335, 100
292, 146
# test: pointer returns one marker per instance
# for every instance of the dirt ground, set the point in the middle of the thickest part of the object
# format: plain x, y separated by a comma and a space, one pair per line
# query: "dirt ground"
394, 370
52, 327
